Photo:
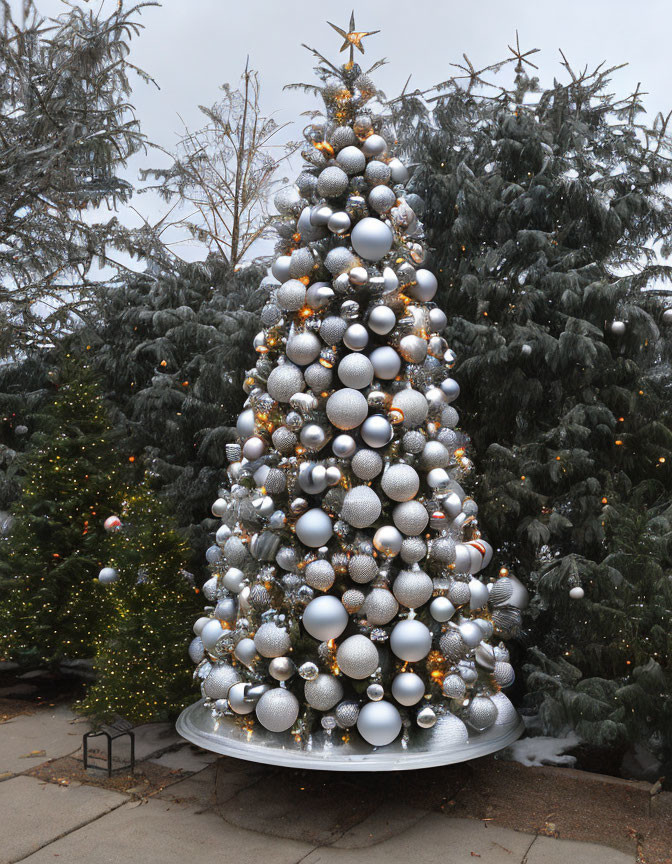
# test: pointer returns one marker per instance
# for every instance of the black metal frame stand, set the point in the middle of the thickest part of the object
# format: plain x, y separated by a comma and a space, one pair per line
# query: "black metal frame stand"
111, 732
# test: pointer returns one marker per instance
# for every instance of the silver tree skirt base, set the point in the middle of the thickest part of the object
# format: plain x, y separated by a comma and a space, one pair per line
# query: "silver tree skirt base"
197, 725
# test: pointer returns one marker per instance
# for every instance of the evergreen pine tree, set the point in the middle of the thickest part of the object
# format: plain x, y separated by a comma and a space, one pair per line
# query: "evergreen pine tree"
50, 605
549, 213
141, 646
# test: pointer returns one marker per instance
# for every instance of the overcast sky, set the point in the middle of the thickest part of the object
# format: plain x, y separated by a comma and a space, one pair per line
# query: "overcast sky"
192, 46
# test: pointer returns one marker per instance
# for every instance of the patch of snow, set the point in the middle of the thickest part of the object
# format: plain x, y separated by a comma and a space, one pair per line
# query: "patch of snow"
544, 750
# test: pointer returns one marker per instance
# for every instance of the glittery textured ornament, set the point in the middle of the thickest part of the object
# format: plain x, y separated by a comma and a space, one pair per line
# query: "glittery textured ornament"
506, 620
353, 600
412, 405
482, 713
219, 680
413, 442
235, 551
382, 199
277, 709
332, 329
451, 645
362, 569
412, 588
367, 464
413, 549
361, 507
284, 381
449, 732
357, 657
443, 550
377, 172
347, 713
400, 482
380, 607
339, 260
275, 481
434, 455
355, 370
501, 591
291, 295
351, 160
270, 315
320, 574
347, 408
332, 182
323, 692
196, 650
454, 687
284, 440
342, 136
259, 597
459, 593
303, 348
449, 417
411, 518
318, 378
503, 674
301, 262
271, 640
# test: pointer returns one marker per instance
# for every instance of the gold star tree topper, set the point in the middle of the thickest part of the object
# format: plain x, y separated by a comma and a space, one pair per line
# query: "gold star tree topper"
352, 38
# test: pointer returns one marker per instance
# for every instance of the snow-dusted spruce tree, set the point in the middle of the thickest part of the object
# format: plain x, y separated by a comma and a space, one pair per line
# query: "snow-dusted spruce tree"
344, 593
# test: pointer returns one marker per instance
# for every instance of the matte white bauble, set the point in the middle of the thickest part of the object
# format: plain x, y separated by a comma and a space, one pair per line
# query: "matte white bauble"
355, 370
325, 618
371, 239
471, 633
108, 575
376, 431
219, 507
254, 448
280, 268
479, 594
319, 295
398, 171
425, 285
379, 723
245, 423
386, 362
314, 528
211, 633
577, 593
320, 215
408, 688
356, 337
200, 623
234, 579
246, 651
381, 320
441, 609
339, 223
410, 640
437, 320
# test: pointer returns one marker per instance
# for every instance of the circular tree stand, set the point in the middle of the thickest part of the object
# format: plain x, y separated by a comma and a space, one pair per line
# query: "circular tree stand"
198, 726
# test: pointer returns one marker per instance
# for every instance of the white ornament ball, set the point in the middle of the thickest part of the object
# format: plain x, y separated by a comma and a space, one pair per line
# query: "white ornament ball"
398, 171
343, 446
374, 145
284, 381
441, 609
400, 482
271, 640
386, 362
320, 575
108, 575
410, 517
413, 405
347, 408
211, 633
291, 295
323, 692
380, 607
413, 349
254, 448
246, 651
361, 507
376, 431
356, 337
325, 618
277, 709
351, 160
356, 371
471, 633
408, 688
234, 579
379, 723
577, 593
371, 239
200, 623
410, 640
437, 320
618, 327
237, 699
381, 320
479, 594
413, 588
339, 223
425, 286
382, 199
220, 680
357, 657
313, 437
280, 268
303, 348
314, 528
366, 464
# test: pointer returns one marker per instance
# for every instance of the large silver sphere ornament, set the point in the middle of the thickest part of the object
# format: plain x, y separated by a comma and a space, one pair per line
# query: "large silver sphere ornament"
351, 160
435, 455
356, 371
382, 199
398, 171
344, 446
413, 549
277, 709
374, 145
381, 320
332, 182
377, 430
291, 295
254, 448
425, 286
379, 723
380, 607
451, 389
471, 633
388, 540
413, 406
413, 588
196, 650
413, 348
441, 609
323, 692
339, 260
313, 437
377, 172
280, 268
408, 688
303, 348
314, 528
347, 408
281, 668
339, 223
386, 362
325, 618
413, 441
400, 482
357, 657
219, 681
319, 295
284, 381
362, 569
332, 329
234, 580
482, 713
245, 423
271, 640
246, 651
371, 239
366, 464
410, 640
479, 594
361, 507
284, 440
356, 337
449, 732
320, 575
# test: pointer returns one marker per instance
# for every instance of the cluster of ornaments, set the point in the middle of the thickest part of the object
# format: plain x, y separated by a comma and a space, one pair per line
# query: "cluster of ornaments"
344, 593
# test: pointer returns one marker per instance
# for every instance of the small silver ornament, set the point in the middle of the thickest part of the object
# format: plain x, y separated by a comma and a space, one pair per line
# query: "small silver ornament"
347, 408
325, 618
284, 381
371, 238
413, 587
376, 431
347, 713
281, 668
219, 681
482, 713
308, 671
388, 540
320, 574
314, 528
361, 507
410, 640
382, 199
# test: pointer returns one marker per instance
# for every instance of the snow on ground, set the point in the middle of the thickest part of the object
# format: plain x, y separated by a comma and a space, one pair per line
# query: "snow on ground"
543, 750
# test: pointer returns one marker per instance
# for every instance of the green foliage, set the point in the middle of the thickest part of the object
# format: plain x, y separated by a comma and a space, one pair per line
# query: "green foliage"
142, 644
50, 603
548, 210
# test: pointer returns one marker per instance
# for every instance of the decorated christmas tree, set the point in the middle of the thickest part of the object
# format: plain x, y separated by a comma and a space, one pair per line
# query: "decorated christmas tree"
346, 610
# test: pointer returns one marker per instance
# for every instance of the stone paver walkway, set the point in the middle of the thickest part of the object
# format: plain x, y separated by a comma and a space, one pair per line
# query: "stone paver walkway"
190, 805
